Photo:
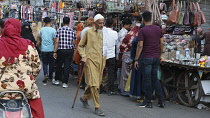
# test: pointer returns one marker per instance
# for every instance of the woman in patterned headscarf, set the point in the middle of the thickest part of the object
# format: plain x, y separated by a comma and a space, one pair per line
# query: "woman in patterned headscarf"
22, 63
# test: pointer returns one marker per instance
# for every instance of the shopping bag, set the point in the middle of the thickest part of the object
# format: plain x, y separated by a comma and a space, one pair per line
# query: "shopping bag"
127, 86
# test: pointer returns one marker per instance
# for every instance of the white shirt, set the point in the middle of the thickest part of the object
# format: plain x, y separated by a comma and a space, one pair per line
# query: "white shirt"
121, 35
109, 42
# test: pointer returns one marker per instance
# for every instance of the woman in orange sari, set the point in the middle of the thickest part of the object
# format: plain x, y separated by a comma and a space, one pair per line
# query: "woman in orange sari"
77, 57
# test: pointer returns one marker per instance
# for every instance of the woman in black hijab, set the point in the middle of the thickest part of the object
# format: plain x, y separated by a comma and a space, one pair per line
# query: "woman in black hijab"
26, 32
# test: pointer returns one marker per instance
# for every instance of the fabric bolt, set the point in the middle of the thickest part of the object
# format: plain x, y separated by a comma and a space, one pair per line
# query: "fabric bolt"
151, 47
47, 37
121, 34
66, 37
110, 37
127, 41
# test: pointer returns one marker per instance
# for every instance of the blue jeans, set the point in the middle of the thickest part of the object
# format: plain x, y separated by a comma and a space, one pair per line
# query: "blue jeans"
47, 59
150, 69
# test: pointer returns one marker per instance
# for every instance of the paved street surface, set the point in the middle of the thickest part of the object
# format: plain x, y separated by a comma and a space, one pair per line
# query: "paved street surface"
58, 101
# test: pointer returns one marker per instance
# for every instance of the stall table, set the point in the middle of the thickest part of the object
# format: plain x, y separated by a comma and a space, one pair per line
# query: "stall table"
183, 81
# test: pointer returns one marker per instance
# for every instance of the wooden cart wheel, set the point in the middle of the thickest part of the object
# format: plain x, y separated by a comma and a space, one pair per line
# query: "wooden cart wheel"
168, 82
189, 88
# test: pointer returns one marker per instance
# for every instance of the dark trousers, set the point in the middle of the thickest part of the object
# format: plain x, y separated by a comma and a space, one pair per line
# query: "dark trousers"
47, 59
64, 57
111, 66
150, 69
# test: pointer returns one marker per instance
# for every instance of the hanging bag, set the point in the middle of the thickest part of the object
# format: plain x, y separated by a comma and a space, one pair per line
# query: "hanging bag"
174, 14
181, 14
156, 16
186, 15
201, 17
191, 14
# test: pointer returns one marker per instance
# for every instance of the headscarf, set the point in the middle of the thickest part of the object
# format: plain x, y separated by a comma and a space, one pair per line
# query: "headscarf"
26, 33
11, 43
90, 22
127, 41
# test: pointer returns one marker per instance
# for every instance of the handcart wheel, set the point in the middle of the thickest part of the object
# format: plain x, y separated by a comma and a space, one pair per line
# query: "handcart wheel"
189, 88
168, 82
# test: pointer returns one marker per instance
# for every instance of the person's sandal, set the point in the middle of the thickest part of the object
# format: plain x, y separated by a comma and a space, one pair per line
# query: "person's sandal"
99, 112
85, 103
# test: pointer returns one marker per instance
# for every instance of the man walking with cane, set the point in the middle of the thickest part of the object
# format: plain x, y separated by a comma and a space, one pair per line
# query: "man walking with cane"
91, 50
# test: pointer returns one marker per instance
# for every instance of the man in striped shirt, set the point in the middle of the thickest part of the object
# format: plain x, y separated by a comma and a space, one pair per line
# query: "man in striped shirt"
63, 51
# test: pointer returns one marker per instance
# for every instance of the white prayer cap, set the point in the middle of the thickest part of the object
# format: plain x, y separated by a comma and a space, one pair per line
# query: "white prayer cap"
98, 16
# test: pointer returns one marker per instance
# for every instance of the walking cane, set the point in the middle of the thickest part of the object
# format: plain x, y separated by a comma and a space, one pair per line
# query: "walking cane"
80, 79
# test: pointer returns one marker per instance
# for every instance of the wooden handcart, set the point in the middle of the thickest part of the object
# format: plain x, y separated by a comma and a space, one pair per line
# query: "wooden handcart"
183, 81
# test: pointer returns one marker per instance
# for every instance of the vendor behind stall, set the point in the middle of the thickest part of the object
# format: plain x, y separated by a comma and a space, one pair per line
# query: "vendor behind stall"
206, 36
197, 38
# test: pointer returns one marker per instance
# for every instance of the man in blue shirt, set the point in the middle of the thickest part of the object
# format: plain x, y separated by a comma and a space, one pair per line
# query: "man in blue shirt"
47, 46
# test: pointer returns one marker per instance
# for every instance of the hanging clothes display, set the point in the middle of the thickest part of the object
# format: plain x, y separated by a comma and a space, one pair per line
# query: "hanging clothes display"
71, 16
1, 12
36, 2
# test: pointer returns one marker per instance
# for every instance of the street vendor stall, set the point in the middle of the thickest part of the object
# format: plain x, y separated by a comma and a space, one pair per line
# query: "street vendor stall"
183, 80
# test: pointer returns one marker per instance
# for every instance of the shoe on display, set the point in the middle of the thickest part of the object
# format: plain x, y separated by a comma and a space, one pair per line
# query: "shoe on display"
56, 82
65, 85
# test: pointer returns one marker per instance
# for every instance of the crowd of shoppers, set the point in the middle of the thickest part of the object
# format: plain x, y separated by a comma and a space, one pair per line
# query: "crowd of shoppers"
92, 46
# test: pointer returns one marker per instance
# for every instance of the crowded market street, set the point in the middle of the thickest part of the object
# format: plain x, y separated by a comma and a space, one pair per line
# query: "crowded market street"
58, 102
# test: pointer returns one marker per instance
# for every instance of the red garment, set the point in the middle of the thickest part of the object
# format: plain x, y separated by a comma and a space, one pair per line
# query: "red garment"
77, 56
36, 108
127, 41
11, 43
